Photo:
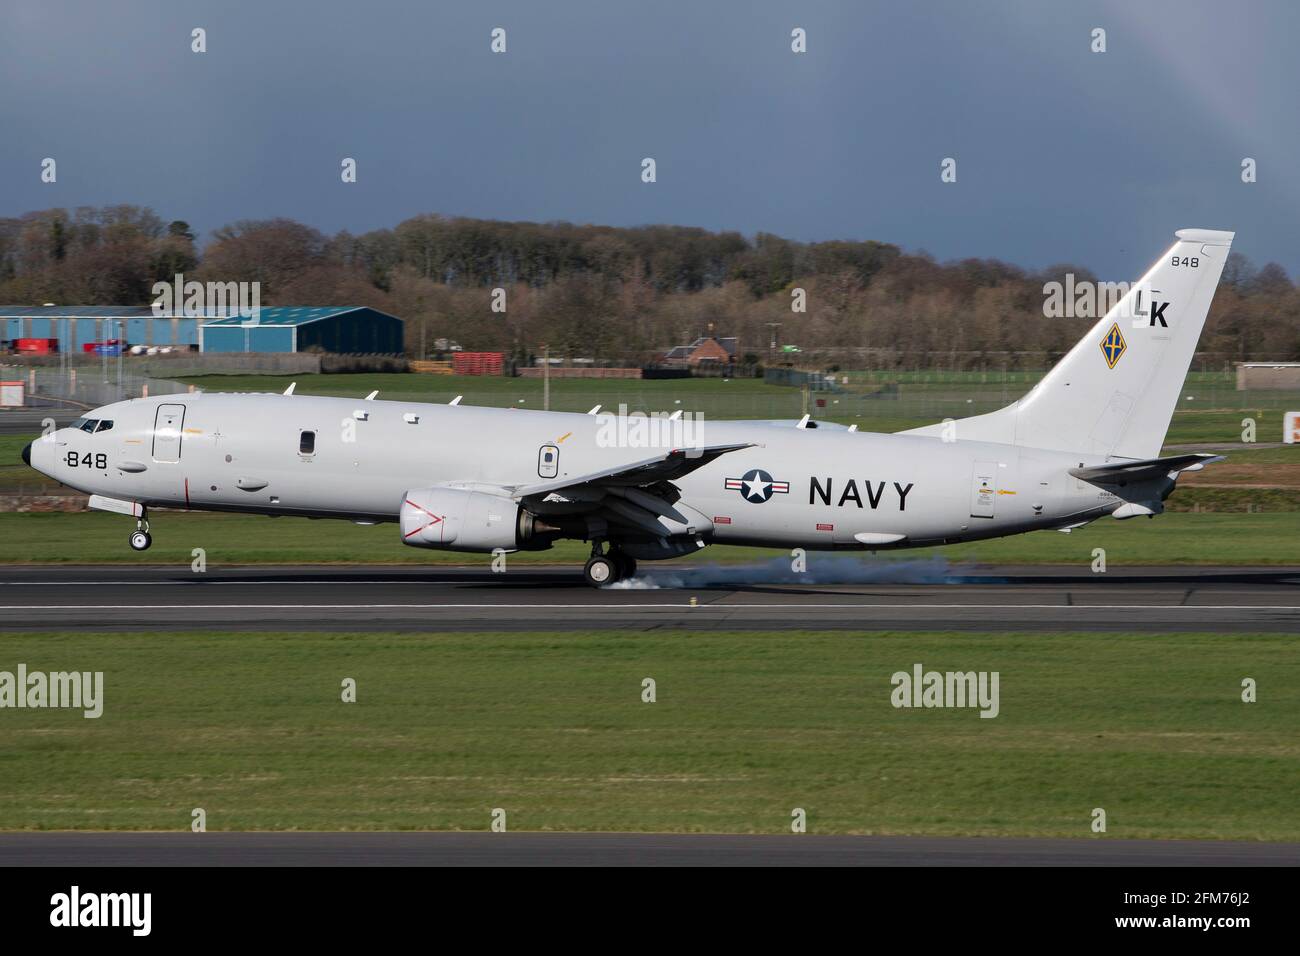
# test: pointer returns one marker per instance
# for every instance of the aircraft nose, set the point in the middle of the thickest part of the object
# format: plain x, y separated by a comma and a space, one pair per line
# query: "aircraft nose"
27, 454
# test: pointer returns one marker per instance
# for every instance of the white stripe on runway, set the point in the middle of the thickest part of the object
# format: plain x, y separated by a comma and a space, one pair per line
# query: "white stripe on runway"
650, 607
207, 582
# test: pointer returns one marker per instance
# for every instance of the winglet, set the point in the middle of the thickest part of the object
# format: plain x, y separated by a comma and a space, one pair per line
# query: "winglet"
594, 410
456, 400
371, 396
289, 390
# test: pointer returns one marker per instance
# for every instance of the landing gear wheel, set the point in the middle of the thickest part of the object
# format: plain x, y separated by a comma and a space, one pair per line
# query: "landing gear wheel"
600, 570
626, 564
140, 540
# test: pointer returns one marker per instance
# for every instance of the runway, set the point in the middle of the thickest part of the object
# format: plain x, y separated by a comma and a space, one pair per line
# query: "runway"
27, 421
615, 849
471, 599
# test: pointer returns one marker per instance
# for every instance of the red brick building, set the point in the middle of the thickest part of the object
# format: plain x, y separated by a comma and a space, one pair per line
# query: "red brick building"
703, 351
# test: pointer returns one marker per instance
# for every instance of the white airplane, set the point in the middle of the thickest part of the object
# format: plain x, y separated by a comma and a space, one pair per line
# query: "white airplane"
1084, 443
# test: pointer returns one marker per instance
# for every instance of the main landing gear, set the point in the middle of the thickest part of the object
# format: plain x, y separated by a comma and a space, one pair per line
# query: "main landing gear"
603, 569
140, 537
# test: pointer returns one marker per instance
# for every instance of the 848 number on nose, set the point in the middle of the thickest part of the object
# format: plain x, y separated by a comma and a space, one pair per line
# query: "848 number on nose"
87, 460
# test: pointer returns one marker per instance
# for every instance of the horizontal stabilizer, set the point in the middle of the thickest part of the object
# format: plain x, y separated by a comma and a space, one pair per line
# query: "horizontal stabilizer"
1126, 472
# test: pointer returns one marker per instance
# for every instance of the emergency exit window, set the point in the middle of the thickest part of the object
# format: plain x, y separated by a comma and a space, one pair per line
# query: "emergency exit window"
307, 443
548, 461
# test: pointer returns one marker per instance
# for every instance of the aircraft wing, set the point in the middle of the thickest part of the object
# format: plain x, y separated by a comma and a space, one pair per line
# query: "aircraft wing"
640, 474
1124, 472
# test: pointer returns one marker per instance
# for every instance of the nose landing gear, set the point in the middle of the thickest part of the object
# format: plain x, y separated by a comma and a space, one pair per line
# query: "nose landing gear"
140, 537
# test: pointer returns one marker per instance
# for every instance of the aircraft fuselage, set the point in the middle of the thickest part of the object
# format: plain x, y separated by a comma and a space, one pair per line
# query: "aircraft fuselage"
354, 459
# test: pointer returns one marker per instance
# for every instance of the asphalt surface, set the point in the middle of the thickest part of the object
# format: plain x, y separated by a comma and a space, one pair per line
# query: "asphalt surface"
904, 595
614, 849
27, 421
436, 599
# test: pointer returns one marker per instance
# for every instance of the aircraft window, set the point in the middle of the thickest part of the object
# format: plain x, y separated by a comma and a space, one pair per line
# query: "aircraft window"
307, 443
548, 461
104, 425
88, 424
78, 423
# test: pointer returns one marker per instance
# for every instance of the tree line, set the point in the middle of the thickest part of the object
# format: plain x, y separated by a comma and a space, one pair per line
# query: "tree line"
617, 295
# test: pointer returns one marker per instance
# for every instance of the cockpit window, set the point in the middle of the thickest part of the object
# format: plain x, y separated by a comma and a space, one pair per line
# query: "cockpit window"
78, 423
104, 425
88, 424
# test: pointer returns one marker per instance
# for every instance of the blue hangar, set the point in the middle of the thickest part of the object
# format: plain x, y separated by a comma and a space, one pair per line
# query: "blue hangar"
338, 329
343, 330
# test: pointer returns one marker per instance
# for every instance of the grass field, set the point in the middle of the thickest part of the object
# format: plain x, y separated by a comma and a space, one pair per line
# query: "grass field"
16, 477
746, 727
96, 537
721, 398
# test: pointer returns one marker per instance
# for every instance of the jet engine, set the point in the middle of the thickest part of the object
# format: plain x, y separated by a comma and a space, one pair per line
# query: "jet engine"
462, 519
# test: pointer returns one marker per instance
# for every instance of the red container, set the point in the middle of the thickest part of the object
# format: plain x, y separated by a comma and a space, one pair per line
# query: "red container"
97, 347
477, 363
36, 346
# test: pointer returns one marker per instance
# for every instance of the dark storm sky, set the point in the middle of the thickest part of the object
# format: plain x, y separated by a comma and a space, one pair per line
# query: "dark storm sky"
1063, 154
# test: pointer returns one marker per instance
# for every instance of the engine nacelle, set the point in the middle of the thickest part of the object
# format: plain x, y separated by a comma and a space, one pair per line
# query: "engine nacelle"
457, 519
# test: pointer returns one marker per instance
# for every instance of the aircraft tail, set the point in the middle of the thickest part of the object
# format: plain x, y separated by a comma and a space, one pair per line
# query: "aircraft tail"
1115, 392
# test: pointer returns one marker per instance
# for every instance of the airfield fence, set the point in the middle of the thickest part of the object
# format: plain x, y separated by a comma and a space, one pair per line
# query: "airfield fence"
880, 401
86, 386
879, 397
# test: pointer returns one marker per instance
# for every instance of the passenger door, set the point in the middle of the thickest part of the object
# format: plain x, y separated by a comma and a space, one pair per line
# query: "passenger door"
167, 426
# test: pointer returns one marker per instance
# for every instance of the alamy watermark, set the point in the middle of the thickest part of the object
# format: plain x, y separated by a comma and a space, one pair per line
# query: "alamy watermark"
656, 430
922, 688
207, 300
1086, 299
81, 690
78, 908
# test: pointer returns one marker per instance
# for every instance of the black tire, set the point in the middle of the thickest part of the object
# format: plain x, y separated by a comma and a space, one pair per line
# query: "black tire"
600, 571
140, 540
